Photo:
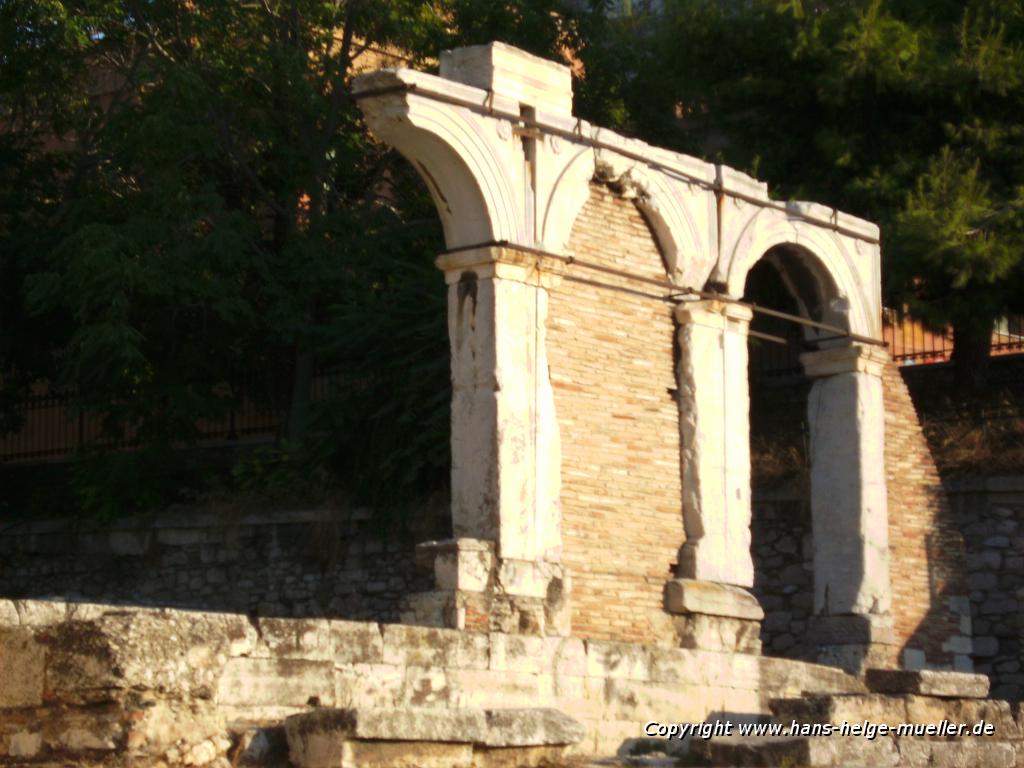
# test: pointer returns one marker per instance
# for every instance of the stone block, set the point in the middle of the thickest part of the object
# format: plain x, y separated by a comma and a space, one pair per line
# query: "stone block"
463, 564
683, 596
308, 639
8, 614
852, 708
519, 653
485, 689
325, 739
369, 685
277, 683
983, 646
794, 678
618, 660
41, 613
957, 754
523, 578
640, 701
930, 709
530, 728
24, 744
356, 642
718, 633
568, 655
404, 754
398, 737
849, 752
533, 81
927, 682
158, 726
22, 669
426, 687
434, 647
518, 757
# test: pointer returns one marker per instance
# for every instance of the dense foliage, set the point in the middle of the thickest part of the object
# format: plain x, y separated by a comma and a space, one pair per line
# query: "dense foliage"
192, 214
908, 112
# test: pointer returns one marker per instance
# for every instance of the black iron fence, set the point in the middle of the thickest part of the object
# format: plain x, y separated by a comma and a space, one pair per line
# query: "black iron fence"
910, 342
51, 430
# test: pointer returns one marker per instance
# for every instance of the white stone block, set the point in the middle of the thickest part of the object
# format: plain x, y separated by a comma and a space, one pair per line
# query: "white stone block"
511, 72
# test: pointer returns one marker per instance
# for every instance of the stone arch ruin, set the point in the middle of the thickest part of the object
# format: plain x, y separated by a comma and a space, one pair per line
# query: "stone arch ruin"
515, 177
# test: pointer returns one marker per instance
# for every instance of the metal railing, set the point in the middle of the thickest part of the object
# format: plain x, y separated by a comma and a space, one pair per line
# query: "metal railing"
51, 430
910, 342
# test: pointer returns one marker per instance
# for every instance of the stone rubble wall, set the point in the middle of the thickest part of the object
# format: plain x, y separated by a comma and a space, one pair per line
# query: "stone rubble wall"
784, 571
331, 563
990, 512
105, 685
612, 362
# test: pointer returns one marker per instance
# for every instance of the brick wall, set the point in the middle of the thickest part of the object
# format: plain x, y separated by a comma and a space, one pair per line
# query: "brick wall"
926, 548
612, 370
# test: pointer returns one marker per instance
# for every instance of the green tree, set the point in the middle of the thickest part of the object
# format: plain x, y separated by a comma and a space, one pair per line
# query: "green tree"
193, 214
904, 111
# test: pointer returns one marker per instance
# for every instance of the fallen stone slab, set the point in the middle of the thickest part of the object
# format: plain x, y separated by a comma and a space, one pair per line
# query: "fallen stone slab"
423, 738
928, 682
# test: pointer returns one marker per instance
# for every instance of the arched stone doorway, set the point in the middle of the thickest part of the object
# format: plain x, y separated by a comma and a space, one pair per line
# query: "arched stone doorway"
839, 379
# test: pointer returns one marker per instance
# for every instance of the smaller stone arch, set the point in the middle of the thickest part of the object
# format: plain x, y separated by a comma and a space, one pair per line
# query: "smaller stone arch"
826, 255
831, 282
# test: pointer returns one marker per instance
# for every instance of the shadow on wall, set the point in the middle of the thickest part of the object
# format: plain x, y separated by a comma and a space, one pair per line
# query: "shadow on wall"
334, 563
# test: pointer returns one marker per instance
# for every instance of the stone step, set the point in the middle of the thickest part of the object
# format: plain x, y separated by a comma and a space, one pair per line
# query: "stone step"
879, 708
852, 752
810, 751
430, 738
928, 682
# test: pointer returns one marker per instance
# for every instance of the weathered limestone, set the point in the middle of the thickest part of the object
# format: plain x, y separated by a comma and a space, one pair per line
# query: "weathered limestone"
715, 610
850, 524
21, 668
509, 169
714, 617
329, 738
147, 684
928, 682
714, 407
503, 569
805, 751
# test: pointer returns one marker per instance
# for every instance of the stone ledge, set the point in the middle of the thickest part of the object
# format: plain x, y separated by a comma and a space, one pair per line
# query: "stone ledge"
927, 682
684, 596
396, 737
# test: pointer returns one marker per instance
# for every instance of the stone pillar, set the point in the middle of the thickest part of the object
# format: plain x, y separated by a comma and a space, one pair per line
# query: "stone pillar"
711, 598
852, 626
502, 570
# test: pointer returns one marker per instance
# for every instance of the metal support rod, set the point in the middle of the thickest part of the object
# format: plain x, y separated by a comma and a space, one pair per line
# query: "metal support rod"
579, 138
679, 292
768, 337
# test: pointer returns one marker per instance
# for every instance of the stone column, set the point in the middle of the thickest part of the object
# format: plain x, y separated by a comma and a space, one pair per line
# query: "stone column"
502, 570
852, 626
711, 598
